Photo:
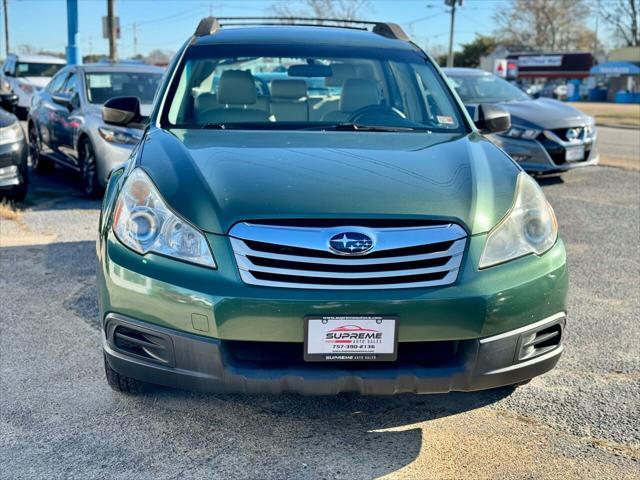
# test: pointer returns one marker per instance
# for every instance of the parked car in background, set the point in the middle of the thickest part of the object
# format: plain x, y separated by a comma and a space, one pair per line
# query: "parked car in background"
359, 238
545, 136
25, 75
65, 122
533, 90
14, 175
558, 91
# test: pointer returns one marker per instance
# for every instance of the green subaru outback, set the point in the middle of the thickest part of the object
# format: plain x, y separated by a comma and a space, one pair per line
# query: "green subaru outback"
311, 209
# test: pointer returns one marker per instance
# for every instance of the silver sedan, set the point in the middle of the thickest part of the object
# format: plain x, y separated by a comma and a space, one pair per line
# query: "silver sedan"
65, 120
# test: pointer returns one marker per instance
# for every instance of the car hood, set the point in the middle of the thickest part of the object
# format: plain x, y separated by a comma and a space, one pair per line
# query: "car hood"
545, 114
40, 82
218, 178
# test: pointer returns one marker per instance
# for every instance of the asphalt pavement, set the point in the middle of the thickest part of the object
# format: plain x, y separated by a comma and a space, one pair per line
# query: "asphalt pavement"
59, 419
620, 147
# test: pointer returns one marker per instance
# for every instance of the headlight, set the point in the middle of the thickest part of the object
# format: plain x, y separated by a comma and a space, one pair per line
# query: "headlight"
11, 134
113, 135
529, 227
25, 87
143, 222
522, 132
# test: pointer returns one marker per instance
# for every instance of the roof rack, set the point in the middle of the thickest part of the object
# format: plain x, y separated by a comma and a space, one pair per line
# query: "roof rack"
211, 25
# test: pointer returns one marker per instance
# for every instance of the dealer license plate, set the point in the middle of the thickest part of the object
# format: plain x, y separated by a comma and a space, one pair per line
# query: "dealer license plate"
574, 154
350, 338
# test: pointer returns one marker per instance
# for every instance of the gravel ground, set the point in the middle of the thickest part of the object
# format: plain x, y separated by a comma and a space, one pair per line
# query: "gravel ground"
59, 419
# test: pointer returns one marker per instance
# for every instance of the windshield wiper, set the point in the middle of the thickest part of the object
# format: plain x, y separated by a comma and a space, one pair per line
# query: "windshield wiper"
238, 126
338, 127
358, 127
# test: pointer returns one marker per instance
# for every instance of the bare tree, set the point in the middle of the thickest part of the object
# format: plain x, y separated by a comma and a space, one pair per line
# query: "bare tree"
622, 16
159, 57
340, 9
545, 24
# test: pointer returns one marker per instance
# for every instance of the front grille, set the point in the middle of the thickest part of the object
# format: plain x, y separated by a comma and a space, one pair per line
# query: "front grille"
556, 141
290, 256
562, 133
244, 354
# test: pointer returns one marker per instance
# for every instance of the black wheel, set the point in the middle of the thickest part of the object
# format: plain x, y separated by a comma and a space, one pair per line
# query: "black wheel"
120, 383
38, 162
89, 168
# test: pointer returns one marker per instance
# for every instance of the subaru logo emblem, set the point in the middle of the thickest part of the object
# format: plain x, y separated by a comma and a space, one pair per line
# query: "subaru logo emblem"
350, 243
572, 134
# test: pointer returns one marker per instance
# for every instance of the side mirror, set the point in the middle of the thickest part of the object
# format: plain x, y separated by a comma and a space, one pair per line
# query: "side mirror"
63, 98
8, 101
121, 111
491, 118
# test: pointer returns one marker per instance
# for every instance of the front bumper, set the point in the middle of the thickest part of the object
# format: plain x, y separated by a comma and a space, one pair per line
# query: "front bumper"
201, 311
24, 98
535, 158
13, 164
196, 363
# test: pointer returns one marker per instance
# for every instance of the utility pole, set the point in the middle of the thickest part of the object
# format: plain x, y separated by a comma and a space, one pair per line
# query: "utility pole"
595, 36
6, 27
134, 28
73, 55
452, 4
111, 27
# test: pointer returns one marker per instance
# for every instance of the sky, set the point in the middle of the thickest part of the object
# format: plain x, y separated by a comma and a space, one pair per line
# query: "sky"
166, 24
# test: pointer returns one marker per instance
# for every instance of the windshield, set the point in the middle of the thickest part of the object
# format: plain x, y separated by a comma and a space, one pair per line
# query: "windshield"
486, 88
37, 69
104, 85
309, 87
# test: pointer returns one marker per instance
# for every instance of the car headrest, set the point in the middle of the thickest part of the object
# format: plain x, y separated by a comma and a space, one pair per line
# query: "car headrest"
294, 89
236, 87
358, 93
364, 70
341, 72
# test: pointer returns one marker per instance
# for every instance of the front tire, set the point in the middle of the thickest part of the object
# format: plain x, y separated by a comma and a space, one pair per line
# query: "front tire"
120, 383
89, 169
38, 162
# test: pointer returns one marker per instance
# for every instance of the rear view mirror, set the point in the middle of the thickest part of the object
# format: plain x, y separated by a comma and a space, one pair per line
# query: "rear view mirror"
490, 118
65, 99
121, 111
309, 71
8, 101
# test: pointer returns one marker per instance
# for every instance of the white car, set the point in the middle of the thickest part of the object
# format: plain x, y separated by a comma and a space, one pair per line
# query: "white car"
26, 74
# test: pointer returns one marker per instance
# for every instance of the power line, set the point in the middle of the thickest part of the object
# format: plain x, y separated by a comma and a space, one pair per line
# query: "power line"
134, 28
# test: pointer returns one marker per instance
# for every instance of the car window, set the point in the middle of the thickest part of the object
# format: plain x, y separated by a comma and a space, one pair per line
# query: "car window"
8, 66
55, 85
313, 85
71, 85
101, 86
486, 88
27, 69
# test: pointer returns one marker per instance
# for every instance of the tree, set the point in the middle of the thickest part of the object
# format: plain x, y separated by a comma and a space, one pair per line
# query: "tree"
622, 16
341, 9
545, 24
471, 52
159, 57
